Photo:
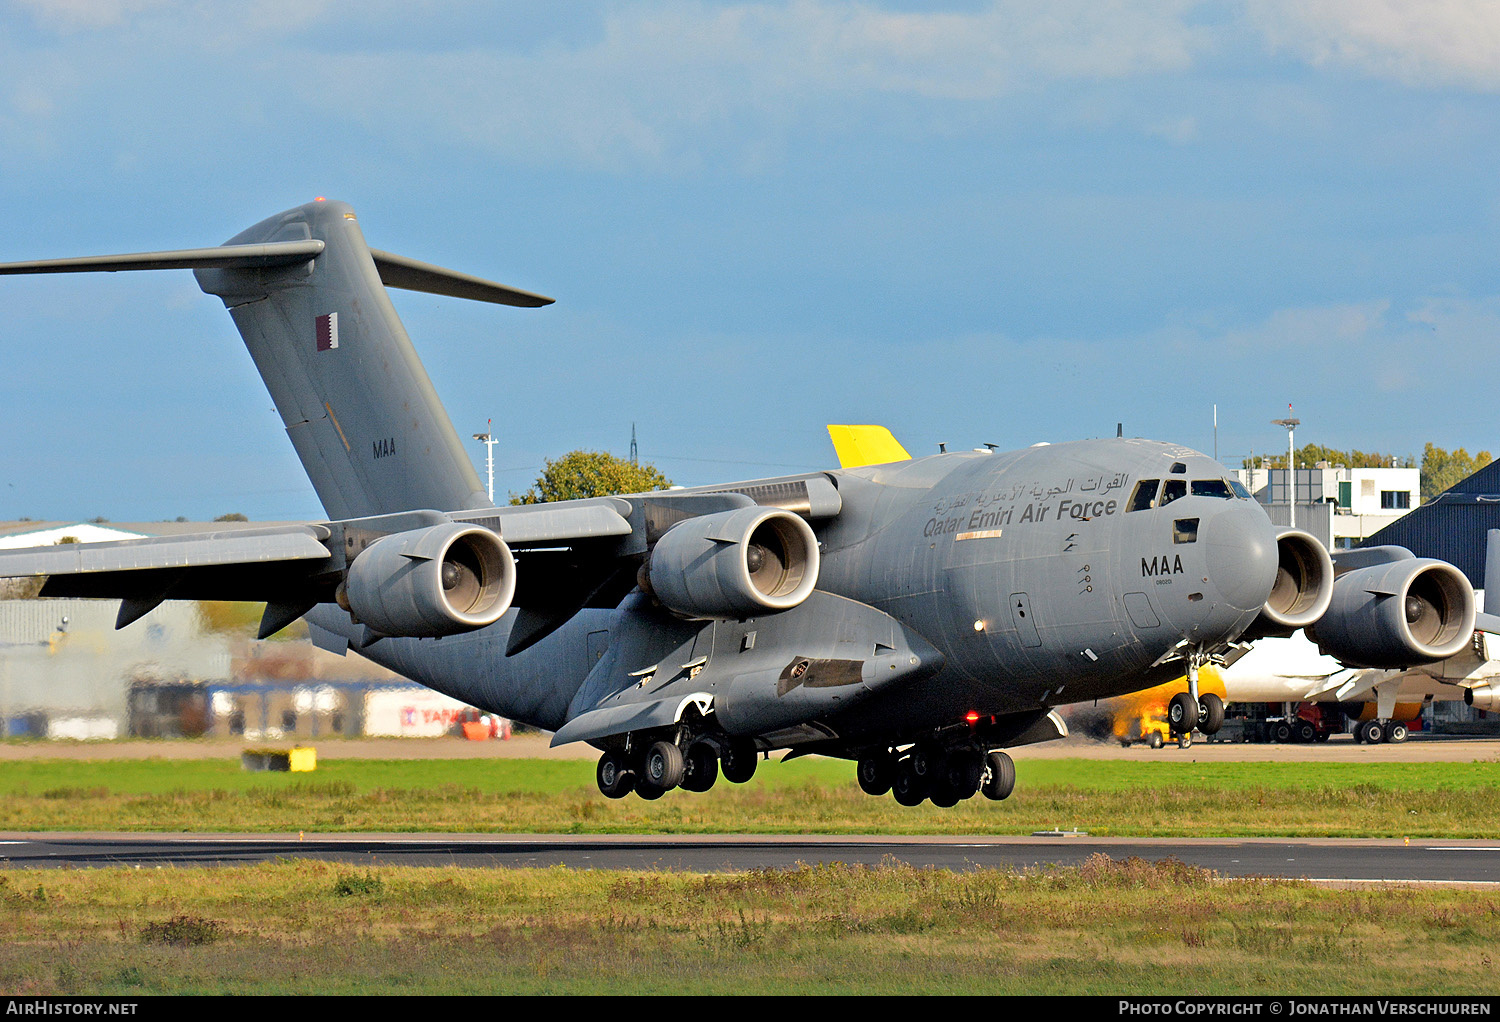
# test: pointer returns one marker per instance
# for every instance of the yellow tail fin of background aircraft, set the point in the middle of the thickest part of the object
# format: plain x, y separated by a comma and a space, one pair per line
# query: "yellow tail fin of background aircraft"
865, 445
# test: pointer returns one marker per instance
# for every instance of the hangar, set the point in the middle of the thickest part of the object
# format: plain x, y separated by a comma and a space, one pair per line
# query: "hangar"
1452, 526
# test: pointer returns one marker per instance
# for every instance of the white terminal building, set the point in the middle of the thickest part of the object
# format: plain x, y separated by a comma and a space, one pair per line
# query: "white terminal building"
1341, 506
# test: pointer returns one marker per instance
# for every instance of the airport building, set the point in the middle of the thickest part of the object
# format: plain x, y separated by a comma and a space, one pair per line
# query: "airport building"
1341, 506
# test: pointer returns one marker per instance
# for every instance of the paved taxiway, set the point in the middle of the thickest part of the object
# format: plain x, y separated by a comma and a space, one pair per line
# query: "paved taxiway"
1426, 861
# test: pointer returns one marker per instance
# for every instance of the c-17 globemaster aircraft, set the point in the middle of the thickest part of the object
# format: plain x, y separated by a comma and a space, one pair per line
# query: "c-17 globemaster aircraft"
917, 616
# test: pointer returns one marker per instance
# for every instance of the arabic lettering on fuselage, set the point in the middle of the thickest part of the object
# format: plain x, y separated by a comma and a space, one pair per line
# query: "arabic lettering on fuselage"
1024, 503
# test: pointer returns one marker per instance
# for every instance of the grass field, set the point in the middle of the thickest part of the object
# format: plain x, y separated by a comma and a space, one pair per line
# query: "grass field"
805, 796
1102, 928
1106, 927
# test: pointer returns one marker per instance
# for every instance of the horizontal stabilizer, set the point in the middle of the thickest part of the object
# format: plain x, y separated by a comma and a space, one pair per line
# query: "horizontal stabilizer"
411, 275
273, 253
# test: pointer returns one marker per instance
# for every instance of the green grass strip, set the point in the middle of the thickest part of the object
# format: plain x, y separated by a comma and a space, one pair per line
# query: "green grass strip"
805, 796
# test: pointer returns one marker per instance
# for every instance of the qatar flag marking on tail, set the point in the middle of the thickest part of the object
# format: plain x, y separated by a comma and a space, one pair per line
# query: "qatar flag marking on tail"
328, 332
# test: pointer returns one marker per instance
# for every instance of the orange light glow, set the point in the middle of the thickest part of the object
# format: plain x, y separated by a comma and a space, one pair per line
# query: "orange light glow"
971, 717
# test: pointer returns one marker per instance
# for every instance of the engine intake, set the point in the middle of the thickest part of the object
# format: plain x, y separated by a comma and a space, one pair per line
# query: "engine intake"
436, 581
1411, 611
1303, 588
734, 564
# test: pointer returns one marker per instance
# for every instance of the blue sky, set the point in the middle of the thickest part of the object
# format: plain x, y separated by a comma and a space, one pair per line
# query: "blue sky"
971, 222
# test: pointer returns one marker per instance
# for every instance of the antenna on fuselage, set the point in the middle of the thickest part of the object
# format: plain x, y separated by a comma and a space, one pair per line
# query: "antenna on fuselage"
1119, 430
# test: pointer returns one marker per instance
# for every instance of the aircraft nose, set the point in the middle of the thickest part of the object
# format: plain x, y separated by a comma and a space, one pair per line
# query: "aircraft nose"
1240, 551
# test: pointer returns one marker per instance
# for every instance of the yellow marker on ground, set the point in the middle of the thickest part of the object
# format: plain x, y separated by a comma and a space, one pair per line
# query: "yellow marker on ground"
857, 446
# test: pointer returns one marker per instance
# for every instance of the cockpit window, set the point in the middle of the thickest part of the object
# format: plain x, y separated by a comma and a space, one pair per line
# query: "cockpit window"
1239, 489
1211, 488
1171, 490
1178, 468
1143, 496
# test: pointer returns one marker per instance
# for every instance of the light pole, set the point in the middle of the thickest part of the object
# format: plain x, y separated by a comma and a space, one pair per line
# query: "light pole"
489, 456
1291, 425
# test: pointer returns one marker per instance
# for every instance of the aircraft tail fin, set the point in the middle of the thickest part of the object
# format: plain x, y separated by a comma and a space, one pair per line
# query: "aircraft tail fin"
857, 446
308, 296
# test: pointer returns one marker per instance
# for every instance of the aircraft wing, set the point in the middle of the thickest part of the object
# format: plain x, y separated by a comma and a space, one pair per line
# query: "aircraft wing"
280, 565
562, 556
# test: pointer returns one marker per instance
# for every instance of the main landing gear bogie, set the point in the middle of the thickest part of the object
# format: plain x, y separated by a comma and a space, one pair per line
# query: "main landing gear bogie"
944, 777
651, 769
1375, 732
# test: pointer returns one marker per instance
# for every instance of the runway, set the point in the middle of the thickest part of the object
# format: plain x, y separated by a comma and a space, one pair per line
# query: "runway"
1326, 860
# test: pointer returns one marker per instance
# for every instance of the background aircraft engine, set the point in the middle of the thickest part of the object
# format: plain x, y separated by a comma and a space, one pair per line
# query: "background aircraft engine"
1406, 612
1303, 587
440, 580
735, 564
1483, 696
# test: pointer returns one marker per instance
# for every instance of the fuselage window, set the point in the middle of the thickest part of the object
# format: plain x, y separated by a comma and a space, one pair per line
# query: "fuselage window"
1211, 488
1144, 495
1171, 490
1185, 530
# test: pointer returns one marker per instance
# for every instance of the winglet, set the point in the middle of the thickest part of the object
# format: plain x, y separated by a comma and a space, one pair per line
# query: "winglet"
857, 446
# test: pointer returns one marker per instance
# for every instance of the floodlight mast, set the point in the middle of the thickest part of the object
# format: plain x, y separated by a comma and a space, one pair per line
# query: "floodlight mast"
1291, 425
489, 457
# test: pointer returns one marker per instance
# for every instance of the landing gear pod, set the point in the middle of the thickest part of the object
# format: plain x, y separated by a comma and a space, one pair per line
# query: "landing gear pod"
441, 580
1406, 612
735, 564
1303, 587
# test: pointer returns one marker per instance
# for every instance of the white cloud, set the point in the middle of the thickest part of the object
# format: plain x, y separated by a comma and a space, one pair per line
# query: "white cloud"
1433, 42
647, 84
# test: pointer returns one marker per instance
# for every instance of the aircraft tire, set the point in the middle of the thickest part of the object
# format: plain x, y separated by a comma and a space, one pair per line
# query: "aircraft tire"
648, 791
1395, 731
1182, 713
907, 787
700, 767
665, 766
737, 760
1002, 777
943, 796
1210, 714
615, 780
875, 773
1372, 732
962, 771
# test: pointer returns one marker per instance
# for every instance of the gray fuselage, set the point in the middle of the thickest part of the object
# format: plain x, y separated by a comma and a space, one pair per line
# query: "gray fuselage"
1027, 570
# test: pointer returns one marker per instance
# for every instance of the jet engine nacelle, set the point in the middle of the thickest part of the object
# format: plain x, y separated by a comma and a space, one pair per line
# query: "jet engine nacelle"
1303, 587
734, 564
441, 580
1406, 612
